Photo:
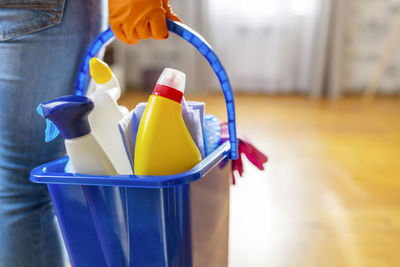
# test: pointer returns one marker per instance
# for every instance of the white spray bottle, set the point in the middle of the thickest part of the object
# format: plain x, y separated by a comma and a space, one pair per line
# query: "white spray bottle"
106, 115
70, 115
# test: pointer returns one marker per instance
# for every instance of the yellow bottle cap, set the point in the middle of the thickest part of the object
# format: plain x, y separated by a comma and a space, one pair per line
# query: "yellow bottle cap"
100, 71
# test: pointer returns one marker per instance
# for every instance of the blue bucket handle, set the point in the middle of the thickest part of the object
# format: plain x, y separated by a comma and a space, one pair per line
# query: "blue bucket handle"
106, 37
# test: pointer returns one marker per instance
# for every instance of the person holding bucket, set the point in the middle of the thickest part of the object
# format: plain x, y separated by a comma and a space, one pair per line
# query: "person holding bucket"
41, 44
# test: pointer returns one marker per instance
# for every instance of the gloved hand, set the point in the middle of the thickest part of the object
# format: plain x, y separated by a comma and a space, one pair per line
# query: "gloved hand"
132, 20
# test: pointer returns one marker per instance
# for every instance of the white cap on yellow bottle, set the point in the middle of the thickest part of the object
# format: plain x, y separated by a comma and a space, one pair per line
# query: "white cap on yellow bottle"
173, 78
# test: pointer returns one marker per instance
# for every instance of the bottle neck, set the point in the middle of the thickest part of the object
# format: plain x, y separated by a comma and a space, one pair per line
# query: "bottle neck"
168, 92
111, 87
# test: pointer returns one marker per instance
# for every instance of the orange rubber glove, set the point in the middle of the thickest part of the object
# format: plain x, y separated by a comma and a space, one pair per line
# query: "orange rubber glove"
132, 20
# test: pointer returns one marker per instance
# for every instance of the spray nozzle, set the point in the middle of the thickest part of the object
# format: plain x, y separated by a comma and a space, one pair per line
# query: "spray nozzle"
69, 115
51, 131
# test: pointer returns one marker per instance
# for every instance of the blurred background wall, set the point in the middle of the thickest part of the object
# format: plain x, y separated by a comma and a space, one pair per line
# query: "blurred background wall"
312, 47
370, 25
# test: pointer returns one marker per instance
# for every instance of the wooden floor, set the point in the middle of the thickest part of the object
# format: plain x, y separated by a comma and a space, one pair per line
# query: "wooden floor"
330, 194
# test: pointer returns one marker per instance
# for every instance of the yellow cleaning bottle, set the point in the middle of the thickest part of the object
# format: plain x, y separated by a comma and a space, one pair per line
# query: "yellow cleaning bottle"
163, 143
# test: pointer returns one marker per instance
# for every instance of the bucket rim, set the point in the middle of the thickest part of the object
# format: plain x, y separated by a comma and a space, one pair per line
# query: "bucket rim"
53, 173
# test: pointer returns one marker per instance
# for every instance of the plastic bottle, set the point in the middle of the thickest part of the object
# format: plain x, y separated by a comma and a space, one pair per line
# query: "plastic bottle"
106, 114
70, 115
163, 143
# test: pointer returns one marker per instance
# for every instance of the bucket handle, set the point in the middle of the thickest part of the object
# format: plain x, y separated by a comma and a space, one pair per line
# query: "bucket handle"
106, 37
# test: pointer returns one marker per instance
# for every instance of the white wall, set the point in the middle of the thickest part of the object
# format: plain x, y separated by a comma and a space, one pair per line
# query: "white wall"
368, 25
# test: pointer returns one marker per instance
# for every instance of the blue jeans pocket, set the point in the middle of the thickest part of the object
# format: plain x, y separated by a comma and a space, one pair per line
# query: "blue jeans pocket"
19, 17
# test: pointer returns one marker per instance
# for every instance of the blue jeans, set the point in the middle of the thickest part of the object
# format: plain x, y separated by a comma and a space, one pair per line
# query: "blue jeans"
41, 45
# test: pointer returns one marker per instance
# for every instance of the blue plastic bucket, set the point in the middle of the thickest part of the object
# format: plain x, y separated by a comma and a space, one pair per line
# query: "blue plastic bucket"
132, 220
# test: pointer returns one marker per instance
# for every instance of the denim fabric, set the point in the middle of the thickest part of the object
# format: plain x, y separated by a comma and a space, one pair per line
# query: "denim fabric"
38, 62
33, 16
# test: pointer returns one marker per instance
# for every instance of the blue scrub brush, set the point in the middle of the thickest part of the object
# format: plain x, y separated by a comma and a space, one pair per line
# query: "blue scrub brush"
211, 133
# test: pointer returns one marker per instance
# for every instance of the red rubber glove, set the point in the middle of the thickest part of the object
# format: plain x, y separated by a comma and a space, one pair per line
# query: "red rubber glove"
252, 153
132, 20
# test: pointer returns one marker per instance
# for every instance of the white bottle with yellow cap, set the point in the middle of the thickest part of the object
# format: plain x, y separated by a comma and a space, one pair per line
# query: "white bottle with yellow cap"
106, 114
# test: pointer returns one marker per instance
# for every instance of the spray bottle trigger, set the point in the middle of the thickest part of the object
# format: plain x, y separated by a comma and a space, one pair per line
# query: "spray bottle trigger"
51, 131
